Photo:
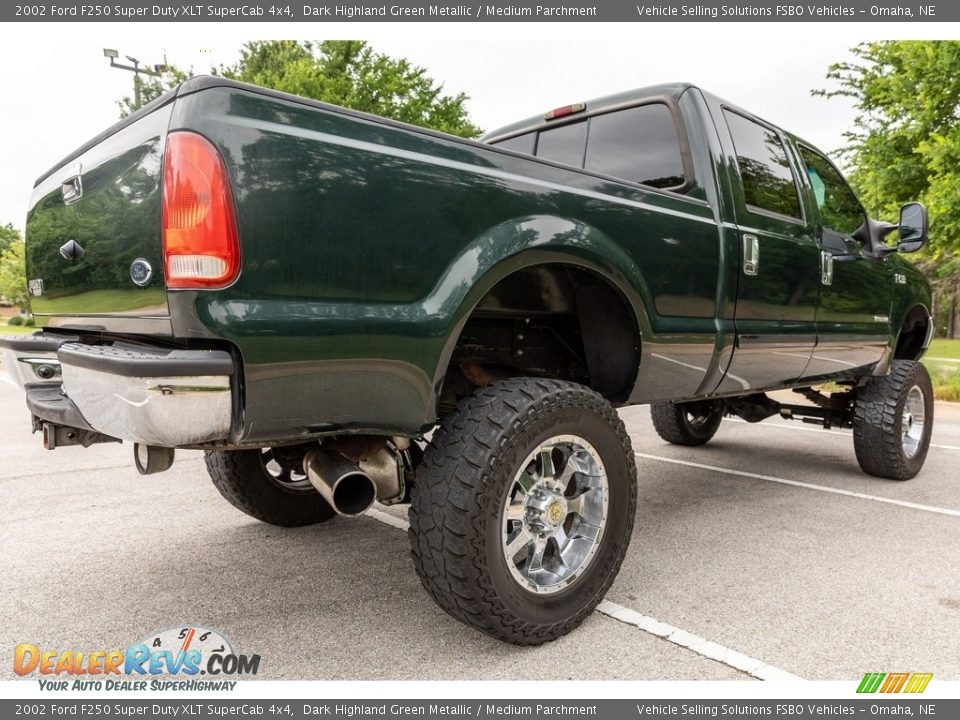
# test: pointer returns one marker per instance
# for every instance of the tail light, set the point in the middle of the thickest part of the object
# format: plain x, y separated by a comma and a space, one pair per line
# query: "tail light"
200, 245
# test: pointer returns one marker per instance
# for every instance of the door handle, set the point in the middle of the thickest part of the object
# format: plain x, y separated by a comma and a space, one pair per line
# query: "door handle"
826, 267
72, 188
751, 254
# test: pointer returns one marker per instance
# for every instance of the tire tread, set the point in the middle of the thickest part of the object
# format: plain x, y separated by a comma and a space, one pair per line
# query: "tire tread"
447, 506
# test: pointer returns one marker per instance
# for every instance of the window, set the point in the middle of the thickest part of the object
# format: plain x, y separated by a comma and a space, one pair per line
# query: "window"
564, 144
768, 182
639, 144
520, 143
840, 210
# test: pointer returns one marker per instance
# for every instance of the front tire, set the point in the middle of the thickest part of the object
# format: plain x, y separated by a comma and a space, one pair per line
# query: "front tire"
523, 508
268, 486
691, 423
893, 419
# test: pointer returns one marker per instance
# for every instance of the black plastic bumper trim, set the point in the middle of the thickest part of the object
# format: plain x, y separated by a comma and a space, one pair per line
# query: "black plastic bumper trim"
130, 361
48, 403
35, 343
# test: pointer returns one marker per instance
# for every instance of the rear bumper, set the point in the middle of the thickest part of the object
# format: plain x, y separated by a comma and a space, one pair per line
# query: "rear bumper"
167, 398
32, 359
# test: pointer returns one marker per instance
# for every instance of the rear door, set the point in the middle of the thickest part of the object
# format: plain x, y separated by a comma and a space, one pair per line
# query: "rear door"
779, 275
853, 320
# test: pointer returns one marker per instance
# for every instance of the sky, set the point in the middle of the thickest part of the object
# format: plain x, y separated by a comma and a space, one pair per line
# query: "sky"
60, 90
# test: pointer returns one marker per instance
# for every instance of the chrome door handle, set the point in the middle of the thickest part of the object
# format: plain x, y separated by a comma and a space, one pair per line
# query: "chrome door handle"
72, 188
751, 254
826, 267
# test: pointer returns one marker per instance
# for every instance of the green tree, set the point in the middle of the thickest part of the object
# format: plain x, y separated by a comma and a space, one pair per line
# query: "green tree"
13, 274
8, 235
905, 141
149, 87
350, 73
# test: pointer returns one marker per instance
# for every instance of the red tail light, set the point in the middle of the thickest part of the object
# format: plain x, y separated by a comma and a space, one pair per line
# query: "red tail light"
200, 246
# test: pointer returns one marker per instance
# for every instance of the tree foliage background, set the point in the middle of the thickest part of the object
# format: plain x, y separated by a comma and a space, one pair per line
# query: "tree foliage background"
8, 235
13, 274
905, 145
352, 74
343, 72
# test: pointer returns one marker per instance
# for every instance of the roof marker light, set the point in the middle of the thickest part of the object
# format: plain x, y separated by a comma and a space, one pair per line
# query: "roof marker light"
565, 110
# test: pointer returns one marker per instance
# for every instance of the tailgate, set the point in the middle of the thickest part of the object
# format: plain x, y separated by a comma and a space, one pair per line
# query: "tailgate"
94, 245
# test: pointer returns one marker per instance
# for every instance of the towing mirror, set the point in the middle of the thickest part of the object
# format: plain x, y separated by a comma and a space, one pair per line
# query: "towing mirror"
912, 234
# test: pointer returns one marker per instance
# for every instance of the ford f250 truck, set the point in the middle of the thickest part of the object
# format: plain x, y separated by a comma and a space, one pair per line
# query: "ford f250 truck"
338, 309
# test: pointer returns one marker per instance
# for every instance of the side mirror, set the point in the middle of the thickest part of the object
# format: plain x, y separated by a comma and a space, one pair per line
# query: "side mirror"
912, 231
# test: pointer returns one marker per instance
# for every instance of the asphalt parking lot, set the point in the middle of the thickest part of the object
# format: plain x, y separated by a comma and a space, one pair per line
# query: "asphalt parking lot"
769, 542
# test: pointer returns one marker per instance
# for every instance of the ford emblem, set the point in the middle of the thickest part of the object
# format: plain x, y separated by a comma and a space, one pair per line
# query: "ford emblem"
141, 272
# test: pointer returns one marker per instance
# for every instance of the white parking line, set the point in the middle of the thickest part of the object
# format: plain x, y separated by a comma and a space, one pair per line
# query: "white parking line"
847, 434
689, 641
388, 519
807, 486
695, 643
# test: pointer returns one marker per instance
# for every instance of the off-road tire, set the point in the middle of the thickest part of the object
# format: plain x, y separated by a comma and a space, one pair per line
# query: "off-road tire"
878, 421
244, 482
457, 501
672, 423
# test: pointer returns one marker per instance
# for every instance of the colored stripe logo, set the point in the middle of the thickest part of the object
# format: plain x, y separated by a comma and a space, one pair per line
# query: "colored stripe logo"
894, 682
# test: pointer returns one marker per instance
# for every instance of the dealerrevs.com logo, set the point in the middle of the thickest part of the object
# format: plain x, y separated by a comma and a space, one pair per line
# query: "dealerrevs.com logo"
170, 659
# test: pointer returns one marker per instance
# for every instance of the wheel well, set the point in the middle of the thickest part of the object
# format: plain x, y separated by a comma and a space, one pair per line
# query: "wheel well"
912, 335
553, 320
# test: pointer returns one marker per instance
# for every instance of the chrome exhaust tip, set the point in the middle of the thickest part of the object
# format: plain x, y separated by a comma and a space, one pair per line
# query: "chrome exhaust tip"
345, 487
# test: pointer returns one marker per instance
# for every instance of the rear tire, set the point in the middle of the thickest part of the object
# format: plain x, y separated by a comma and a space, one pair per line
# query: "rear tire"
255, 483
892, 422
523, 508
691, 423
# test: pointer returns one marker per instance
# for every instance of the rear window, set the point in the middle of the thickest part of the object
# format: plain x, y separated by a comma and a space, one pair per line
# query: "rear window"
638, 144
768, 182
520, 143
564, 144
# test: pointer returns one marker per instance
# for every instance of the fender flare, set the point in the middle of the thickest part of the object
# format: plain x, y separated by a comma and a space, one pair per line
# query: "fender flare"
528, 242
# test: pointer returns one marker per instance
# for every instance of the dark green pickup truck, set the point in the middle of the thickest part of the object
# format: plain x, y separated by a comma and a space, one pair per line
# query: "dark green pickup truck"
340, 309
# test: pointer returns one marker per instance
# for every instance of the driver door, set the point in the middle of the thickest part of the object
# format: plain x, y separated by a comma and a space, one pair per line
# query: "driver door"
853, 315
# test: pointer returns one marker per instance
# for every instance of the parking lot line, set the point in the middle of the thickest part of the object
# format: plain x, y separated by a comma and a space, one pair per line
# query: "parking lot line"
694, 643
847, 434
805, 485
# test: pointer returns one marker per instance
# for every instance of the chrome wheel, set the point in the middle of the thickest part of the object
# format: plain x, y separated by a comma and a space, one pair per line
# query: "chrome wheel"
698, 420
282, 476
554, 514
912, 421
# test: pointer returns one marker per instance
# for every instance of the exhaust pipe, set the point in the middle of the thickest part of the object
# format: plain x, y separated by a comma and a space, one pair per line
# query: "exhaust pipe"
345, 487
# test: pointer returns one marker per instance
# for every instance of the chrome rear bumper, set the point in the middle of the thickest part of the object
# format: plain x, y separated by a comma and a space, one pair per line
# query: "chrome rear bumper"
152, 396
168, 398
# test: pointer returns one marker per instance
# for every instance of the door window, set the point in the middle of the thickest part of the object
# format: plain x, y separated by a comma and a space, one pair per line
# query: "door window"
840, 211
768, 181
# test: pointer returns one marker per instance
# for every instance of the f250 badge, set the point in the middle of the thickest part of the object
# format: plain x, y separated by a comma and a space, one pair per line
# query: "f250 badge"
35, 287
899, 278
